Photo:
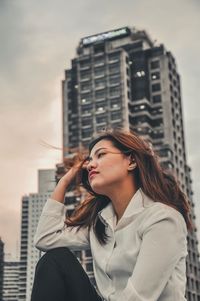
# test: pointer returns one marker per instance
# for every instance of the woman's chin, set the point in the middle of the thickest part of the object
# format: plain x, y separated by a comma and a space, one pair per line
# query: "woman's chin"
97, 188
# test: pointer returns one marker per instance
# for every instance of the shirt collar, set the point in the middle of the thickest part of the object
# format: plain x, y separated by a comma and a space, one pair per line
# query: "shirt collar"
138, 203
107, 213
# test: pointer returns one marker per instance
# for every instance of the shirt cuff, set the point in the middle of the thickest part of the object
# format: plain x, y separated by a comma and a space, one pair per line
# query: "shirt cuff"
129, 294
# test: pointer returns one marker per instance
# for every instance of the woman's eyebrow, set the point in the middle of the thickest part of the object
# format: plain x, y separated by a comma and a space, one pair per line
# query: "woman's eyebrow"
97, 150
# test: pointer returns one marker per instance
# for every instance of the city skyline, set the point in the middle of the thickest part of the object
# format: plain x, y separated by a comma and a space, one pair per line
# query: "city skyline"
43, 57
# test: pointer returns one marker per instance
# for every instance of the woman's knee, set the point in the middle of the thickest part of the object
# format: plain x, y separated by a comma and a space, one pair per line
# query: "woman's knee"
58, 251
60, 261
58, 254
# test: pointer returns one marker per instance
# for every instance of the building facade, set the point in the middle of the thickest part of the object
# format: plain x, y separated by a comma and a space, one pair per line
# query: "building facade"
1, 267
31, 210
120, 78
11, 281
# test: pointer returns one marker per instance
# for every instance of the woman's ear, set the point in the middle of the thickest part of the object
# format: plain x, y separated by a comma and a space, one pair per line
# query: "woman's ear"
132, 164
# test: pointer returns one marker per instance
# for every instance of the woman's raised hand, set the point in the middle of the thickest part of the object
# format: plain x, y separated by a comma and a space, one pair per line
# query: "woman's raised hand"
72, 166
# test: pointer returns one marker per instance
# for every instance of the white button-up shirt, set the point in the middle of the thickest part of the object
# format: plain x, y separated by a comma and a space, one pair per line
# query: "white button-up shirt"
144, 258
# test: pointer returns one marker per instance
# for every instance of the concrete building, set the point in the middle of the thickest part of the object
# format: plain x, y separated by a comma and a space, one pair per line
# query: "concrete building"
46, 180
1, 267
11, 281
23, 248
31, 210
120, 78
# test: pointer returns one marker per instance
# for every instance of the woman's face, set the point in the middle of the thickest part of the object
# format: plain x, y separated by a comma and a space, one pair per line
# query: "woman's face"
107, 167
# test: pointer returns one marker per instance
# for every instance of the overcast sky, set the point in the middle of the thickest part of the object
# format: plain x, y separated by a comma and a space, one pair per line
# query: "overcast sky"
37, 41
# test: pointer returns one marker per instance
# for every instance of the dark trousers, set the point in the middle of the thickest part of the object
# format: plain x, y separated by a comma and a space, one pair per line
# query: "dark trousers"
60, 277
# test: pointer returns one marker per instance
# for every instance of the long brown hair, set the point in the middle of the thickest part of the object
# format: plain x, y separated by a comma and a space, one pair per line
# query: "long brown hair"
155, 182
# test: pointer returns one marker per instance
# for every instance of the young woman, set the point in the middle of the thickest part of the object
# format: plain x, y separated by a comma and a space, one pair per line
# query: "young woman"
135, 222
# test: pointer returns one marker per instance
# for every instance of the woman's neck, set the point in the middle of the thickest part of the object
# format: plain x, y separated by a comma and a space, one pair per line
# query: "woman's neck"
121, 197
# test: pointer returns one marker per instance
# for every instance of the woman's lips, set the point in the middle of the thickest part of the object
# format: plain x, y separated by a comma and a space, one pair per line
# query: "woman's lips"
92, 174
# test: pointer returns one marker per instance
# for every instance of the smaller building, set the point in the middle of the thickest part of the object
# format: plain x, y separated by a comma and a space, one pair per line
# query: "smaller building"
11, 281
32, 206
1, 266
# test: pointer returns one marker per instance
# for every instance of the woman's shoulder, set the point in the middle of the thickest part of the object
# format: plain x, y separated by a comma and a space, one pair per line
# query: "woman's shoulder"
158, 207
157, 212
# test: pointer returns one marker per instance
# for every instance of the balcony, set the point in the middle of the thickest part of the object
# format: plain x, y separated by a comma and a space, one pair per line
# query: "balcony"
100, 110
100, 87
99, 64
86, 113
100, 75
115, 107
113, 84
84, 67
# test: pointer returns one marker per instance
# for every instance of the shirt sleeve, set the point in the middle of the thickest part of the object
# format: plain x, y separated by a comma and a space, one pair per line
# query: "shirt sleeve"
164, 242
52, 232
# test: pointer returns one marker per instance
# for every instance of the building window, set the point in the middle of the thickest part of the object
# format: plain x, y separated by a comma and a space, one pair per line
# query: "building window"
85, 64
85, 75
140, 73
100, 83
175, 93
99, 71
100, 94
86, 109
86, 121
101, 119
99, 49
99, 61
100, 128
101, 104
114, 57
114, 68
157, 98
86, 97
89, 266
114, 79
116, 115
158, 134
156, 87
85, 87
155, 75
170, 77
155, 64
115, 103
86, 133
115, 91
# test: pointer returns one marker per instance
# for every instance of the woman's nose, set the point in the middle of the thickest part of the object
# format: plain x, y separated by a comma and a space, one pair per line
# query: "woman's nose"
91, 165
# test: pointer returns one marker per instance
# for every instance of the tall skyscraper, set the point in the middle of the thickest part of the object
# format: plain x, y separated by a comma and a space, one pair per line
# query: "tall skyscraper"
11, 281
31, 210
120, 78
1, 267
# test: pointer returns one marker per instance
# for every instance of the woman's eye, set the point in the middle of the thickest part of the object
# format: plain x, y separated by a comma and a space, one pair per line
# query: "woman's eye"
100, 155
